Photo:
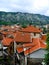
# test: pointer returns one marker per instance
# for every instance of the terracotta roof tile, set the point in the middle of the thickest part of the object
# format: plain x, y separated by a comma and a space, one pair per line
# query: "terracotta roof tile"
39, 44
22, 37
7, 41
4, 33
31, 29
28, 45
36, 44
20, 49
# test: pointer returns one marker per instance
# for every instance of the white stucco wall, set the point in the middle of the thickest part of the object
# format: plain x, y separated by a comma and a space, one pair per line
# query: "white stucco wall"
38, 54
35, 36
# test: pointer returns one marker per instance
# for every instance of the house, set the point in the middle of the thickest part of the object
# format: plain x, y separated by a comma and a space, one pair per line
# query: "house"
28, 42
34, 32
8, 42
21, 37
36, 54
34, 51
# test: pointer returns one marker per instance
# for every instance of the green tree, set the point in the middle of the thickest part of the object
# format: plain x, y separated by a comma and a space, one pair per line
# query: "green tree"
24, 26
47, 51
44, 30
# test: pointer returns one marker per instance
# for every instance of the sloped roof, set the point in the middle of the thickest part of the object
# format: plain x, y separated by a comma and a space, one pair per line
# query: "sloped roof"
7, 41
25, 45
39, 44
28, 45
31, 29
20, 49
22, 37
36, 44
4, 33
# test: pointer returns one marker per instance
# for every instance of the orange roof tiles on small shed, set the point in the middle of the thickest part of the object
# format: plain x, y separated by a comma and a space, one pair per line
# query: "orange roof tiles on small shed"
7, 41
31, 29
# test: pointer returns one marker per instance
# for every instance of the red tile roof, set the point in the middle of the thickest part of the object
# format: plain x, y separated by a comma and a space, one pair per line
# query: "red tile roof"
26, 45
20, 49
36, 44
39, 44
22, 37
31, 29
7, 41
4, 33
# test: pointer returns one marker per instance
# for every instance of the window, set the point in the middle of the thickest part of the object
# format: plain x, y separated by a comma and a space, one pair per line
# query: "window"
34, 34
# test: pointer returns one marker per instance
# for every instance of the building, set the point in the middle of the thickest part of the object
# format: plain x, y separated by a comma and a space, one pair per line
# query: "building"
28, 42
